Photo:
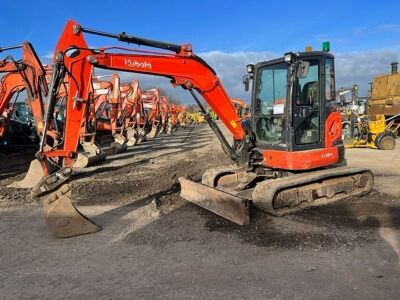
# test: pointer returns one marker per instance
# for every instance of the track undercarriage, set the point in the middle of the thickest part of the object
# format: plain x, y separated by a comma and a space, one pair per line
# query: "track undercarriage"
229, 192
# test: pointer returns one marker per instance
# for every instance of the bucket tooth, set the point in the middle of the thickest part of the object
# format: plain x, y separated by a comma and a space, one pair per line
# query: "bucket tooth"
62, 218
228, 206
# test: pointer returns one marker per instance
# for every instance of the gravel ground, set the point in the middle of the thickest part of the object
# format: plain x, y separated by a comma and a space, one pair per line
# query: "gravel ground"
155, 245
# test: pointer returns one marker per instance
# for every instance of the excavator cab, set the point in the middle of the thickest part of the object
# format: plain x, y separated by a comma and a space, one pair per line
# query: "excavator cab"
296, 154
291, 98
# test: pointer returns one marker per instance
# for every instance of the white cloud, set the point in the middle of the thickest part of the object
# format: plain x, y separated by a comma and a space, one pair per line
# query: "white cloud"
351, 68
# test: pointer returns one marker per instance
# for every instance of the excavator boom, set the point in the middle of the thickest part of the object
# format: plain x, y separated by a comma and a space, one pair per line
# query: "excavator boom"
74, 62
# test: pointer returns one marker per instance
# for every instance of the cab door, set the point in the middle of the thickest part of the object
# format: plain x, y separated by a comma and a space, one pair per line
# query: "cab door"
306, 110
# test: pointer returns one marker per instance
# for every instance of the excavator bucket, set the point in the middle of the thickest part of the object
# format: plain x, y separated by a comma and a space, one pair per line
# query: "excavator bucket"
228, 206
91, 155
62, 218
32, 177
141, 135
132, 136
85, 159
152, 134
119, 145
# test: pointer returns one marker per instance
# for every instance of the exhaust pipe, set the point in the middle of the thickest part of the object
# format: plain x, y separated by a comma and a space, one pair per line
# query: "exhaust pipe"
394, 67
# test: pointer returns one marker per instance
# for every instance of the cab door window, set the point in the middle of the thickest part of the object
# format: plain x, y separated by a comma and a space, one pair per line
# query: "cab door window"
271, 103
308, 110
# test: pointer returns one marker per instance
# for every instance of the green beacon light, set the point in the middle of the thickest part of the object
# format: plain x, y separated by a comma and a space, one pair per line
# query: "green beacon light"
326, 47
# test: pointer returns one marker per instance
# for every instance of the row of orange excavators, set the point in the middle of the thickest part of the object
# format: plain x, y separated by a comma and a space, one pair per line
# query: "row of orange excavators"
117, 114
288, 155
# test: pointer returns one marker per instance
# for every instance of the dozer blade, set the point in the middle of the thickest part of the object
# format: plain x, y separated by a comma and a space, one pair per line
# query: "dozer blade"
62, 218
293, 193
228, 206
32, 177
152, 134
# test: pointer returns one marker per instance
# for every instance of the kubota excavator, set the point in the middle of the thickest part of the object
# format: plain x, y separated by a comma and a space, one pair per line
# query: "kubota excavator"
241, 107
151, 102
178, 117
130, 94
288, 156
108, 109
24, 74
164, 112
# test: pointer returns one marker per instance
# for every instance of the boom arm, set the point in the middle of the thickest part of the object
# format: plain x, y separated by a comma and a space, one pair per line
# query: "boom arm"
184, 69
74, 59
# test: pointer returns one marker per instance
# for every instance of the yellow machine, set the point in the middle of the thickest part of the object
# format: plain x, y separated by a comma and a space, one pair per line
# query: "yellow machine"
371, 132
385, 94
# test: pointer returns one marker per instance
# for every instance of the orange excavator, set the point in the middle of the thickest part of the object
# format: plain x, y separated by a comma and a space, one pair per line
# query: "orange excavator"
164, 113
108, 108
289, 155
26, 74
151, 101
131, 94
176, 112
241, 107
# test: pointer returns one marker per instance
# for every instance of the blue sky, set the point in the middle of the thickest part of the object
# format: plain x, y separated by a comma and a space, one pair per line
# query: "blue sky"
253, 29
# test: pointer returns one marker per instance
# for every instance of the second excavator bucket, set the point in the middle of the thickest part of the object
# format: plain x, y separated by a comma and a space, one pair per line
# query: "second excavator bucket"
32, 178
132, 136
62, 218
169, 129
152, 134
141, 135
228, 206
91, 155
119, 145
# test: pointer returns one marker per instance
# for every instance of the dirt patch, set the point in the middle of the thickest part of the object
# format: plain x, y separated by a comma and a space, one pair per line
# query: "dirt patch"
155, 245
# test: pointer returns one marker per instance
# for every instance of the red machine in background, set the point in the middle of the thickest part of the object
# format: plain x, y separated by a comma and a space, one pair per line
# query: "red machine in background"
241, 107
132, 109
176, 115
25, 74
108, 109
164, 113
151, 103
287, 155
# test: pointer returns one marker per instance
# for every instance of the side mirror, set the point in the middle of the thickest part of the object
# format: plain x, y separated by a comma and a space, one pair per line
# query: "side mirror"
17, 114
302, 70
246, 82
